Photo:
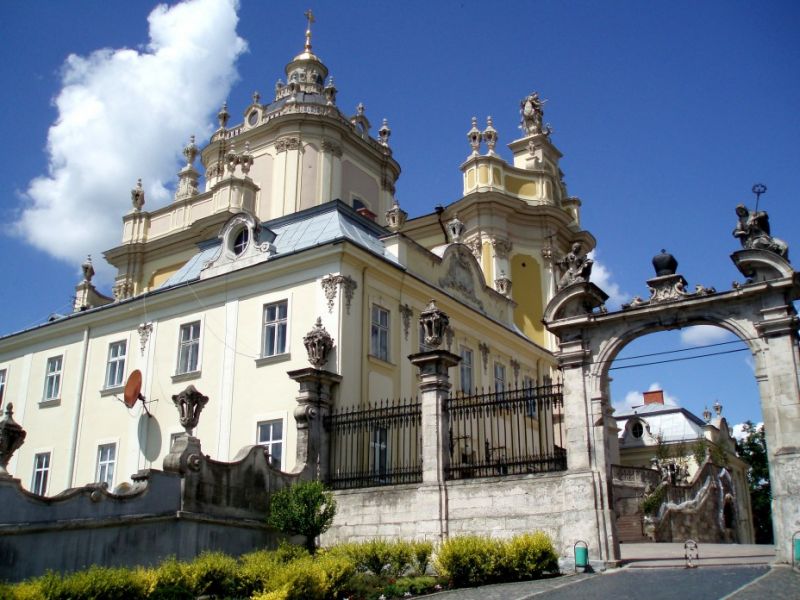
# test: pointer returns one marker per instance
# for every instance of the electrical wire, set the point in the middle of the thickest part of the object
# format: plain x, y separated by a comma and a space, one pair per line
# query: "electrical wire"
670, 360
690, 349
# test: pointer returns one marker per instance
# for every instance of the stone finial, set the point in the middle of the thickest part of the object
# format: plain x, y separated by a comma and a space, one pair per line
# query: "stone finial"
279, 85
360, 109
384, 132
395, 217
12, 436
189, 403
474, 137
318, 343
753, 232
503, 284
137, 196
223, 115
88, 269
706, 415
434, 323
489, 135
190, 151
330, 92
575, 267
256, 97
718, 408
246, 160
455, 229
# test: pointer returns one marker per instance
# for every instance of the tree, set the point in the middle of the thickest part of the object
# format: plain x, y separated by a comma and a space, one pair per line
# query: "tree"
752, 449
302, 509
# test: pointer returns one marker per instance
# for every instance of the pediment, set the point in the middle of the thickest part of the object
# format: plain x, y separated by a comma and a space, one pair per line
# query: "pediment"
462, 275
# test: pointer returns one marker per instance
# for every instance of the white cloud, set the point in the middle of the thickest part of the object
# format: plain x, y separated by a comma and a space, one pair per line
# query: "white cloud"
701, 335
125, 114
738, 430
602, 278
635, 398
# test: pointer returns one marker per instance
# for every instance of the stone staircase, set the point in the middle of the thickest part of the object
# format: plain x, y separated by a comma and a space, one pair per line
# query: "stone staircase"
629, 529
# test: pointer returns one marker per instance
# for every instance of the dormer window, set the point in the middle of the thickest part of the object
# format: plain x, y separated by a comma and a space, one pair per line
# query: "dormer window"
241, 240
252, 118
637, 431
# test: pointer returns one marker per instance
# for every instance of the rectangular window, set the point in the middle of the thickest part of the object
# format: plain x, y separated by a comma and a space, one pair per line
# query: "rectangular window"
115, 368
189, 349
274, 328
499, 377
270, 435
529, 395
379, 339
466, 370
52, 382
2, 386
379, 452
106, 460
41, 473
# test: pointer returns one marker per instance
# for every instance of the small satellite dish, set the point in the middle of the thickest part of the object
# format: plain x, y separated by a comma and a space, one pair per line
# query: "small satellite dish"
133, 391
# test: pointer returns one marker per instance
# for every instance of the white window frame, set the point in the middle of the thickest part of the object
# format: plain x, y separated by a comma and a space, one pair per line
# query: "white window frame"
499, 377
117, 363
3, 382
466, 371
379, 332
275, 324
52, 392
101, 467
268, 444
41, 473
182, 345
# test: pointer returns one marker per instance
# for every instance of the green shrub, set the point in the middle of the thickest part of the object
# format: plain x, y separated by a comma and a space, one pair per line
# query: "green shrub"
421, 556
214, 574
527, 556
171, 579
305, 508
652, 502
95, 583
468, 561
255, 571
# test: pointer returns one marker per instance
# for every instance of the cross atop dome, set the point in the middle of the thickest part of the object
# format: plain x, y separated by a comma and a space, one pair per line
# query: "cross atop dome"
310, 17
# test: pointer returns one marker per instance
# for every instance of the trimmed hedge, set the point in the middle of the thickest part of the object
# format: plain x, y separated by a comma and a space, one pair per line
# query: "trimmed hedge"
365, 570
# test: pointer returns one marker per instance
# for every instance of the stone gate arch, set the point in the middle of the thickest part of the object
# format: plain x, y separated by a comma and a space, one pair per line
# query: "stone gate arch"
759, 311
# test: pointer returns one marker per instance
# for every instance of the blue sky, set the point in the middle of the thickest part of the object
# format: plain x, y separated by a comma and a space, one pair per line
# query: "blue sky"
667, 113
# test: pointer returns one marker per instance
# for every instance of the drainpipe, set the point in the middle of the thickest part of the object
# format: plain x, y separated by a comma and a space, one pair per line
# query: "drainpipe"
76, 418
439, 210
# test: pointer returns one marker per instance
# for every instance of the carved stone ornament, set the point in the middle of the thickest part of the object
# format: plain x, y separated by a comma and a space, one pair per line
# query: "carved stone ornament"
384, 133
137, 196
575, 267
318, 343
515, 366
489, 135
395, 217
88, 269
475, 246
455, 229
459, 275
503, 284
434, 324
474, 137
144, 330
123, 288
189, 403
753, 231
12, 436
531, 110
287, 143
223, 115
331, 147
502, 247
484, 350
331, 283
449, 334
668, 287
405, 314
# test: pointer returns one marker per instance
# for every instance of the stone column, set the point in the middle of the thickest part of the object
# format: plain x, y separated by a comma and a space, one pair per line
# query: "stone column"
434, 390
313, 405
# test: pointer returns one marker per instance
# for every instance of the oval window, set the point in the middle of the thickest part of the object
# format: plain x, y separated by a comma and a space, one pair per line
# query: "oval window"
637, 430
240, 241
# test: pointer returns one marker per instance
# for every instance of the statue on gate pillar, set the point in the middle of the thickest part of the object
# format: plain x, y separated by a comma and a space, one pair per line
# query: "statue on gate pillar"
752, 230
575, 267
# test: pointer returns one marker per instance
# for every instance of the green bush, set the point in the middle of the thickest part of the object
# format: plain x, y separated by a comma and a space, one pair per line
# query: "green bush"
468, 561
95, 583
653, 501
527, 556
421, 556
305, 508
171, 579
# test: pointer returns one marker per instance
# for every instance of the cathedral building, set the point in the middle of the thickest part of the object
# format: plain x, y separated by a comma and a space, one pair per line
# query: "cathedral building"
285, 221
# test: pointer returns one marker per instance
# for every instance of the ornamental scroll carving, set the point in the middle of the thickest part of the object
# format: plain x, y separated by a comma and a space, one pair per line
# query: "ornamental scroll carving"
331, 147
287, 143
330, 285
405, 314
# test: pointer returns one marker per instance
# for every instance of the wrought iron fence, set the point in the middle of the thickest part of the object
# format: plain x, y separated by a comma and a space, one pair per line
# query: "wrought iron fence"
377, 445
506, 432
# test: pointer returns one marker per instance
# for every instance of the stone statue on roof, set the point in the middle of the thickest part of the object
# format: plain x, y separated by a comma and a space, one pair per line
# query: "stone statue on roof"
575, 267
531, 110
752, 230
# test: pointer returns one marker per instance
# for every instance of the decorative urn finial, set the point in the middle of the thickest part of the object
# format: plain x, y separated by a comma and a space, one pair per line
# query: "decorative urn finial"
434, 323
455, 229
717, 408
664, 264
395, 217
706, 415
88, 269
137, 196
190, 151
318, 343
474, 136
189, 403
384, 132
12, 436
489, 135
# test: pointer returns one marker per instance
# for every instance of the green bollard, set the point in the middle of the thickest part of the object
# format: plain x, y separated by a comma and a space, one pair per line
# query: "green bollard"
796, 551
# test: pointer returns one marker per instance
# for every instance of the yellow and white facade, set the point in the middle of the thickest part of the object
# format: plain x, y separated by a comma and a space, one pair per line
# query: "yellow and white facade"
294, 219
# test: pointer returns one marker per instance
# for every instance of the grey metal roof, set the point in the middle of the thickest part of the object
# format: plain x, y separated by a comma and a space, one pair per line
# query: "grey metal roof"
324, 224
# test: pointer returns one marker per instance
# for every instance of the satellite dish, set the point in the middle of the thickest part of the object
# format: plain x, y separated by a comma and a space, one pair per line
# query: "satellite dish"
133, 390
